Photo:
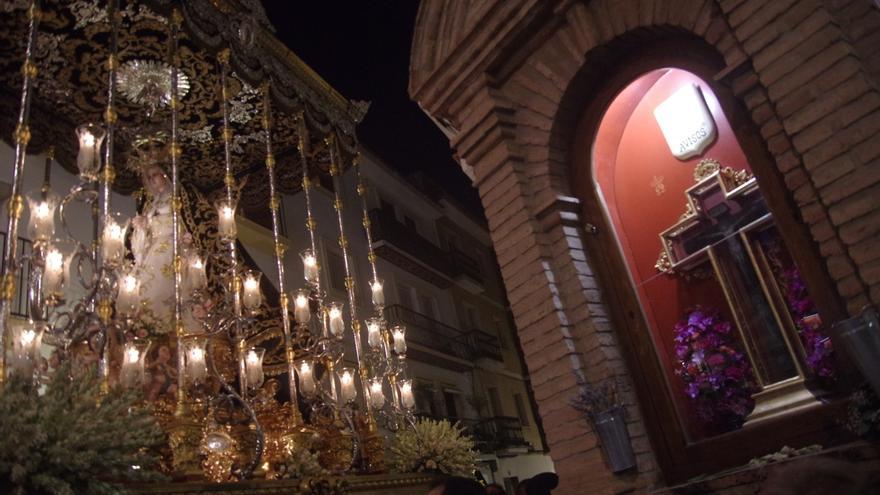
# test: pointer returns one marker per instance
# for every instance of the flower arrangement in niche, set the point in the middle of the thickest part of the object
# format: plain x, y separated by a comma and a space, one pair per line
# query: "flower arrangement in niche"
717, 377
434, 446
817, 346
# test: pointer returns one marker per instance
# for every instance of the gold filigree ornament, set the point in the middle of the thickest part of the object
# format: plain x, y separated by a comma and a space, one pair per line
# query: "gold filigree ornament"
663, 265
218, 449
705, 168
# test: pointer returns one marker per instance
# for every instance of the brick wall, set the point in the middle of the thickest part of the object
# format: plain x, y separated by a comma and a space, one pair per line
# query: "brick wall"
807, 73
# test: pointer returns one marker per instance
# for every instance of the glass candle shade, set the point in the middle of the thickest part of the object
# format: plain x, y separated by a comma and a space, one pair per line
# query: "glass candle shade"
310, 266
128, 296
226, 220
41, 209
196, 361
407, 400
399, 335
301, 311
88, 160
374, 333
113, 239
195, 272
133, 357
377, 396
378, 295
57, 269
253, 364
337, 325
346, 385
218, 441
251, 295
26, 341
306, 377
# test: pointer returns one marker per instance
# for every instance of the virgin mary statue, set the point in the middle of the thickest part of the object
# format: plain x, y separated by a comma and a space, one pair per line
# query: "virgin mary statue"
151, 249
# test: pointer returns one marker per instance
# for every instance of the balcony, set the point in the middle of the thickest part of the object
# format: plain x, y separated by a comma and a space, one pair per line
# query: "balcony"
429, 333
500, 435
407, 249
482, 345
439, 337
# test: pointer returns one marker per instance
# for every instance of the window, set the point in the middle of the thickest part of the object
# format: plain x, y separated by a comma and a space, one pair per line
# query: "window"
335, 270
405, 296
521, 409
470, 319
427, 306
410, 223
424, 395
450, 398
495, 402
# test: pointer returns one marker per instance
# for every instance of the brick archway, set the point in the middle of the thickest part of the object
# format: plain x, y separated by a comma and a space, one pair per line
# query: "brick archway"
502, 80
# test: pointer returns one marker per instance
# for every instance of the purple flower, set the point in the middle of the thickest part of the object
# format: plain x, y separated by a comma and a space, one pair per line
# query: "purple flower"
717, 378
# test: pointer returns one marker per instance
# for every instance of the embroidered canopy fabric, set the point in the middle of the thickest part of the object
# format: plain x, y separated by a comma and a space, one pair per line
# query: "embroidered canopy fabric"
71, 88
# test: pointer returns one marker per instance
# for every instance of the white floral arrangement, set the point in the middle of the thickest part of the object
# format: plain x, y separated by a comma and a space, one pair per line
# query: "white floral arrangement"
300, 463
434, 446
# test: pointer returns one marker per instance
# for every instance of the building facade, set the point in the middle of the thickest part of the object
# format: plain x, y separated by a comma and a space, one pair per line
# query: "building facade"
555, 110
442, 283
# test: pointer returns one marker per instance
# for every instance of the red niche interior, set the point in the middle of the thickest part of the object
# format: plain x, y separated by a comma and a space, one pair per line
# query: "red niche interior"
643, 186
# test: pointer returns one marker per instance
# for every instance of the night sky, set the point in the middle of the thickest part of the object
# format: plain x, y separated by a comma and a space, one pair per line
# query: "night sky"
362, 49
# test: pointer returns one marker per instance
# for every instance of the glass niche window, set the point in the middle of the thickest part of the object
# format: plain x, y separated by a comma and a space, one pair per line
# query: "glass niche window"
728, 313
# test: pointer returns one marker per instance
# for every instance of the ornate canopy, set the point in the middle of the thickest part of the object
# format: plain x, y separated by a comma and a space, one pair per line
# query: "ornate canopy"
71, 88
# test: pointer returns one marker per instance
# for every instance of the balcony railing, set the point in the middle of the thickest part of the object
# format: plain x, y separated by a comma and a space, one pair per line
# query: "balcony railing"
386, 228
427, 331
497, 433
20, 303
483, 345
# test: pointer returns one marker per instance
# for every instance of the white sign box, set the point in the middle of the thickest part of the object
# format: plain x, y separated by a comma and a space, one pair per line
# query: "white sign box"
686, 122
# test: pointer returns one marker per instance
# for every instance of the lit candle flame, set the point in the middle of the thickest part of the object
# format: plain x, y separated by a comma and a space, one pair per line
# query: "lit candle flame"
42, 210
252, 358
132, 355
54, 260
27, 337
197, 354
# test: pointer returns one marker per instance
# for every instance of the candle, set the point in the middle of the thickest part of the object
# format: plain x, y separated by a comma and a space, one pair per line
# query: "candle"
378, 295
377, 397
113, 239
254, 367
41, 225
346, 381
310, 266
301, 307
226, 220
195, 361
306, 378
252, 296
198, 280
53, 273
399, 335
127, 298
406, 394
374, 332
25, 346
88, 160
337, 325
132, 372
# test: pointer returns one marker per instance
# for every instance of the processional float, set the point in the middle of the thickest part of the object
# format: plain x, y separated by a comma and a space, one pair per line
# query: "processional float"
215, 117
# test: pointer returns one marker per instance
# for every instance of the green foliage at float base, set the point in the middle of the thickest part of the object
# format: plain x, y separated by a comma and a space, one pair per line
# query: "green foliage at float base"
71, 439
